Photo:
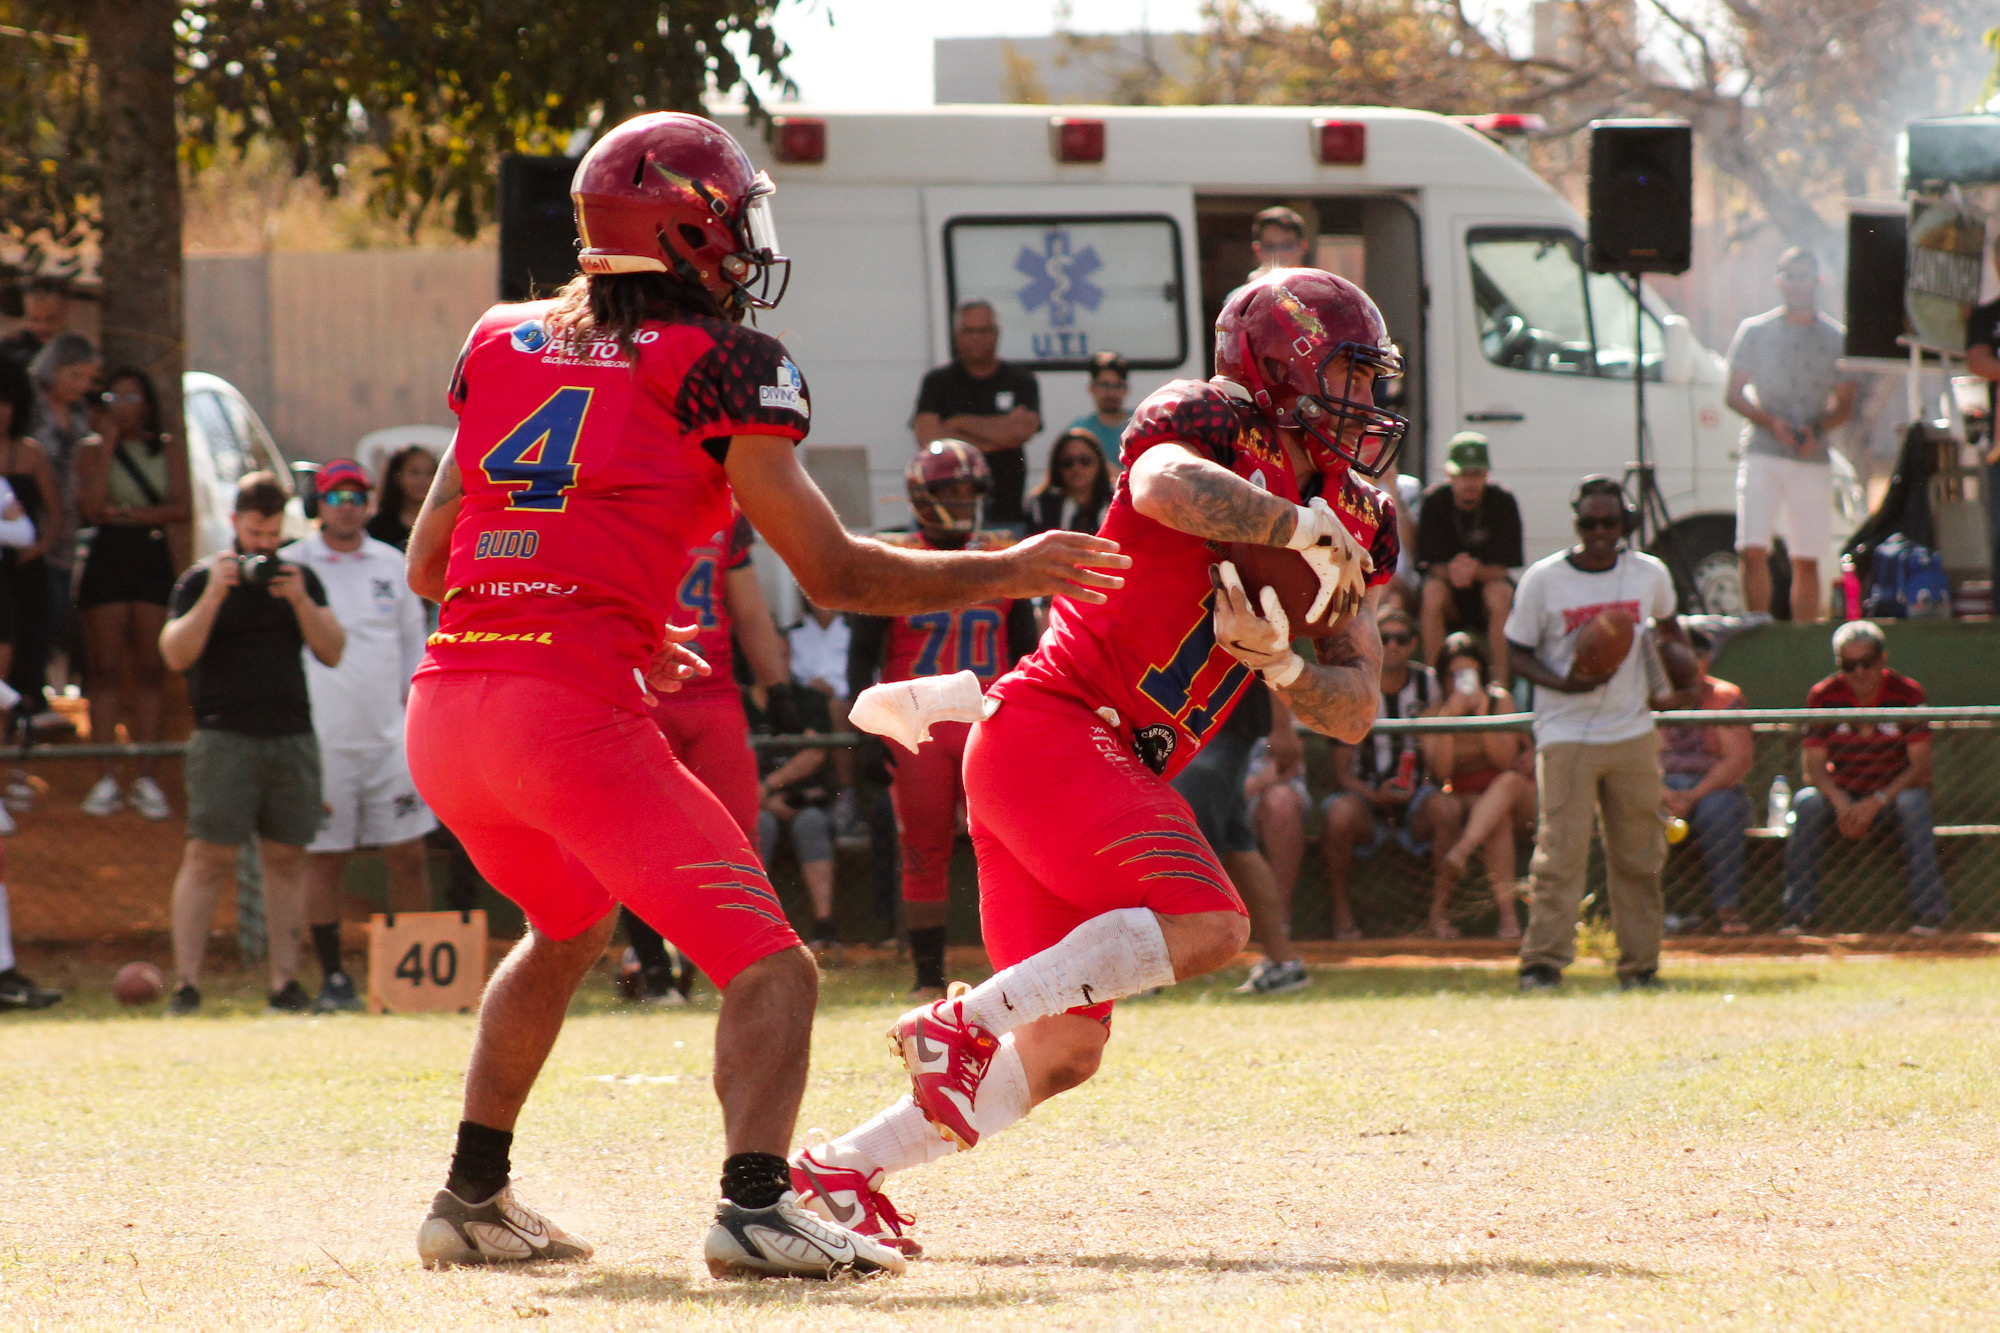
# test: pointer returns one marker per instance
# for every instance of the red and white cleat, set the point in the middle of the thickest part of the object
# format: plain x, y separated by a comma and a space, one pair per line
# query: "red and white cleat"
847, 1197
947, 1055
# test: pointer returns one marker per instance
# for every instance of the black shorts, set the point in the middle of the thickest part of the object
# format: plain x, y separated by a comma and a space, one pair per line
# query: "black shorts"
1212, 785
1469, 606
127, 564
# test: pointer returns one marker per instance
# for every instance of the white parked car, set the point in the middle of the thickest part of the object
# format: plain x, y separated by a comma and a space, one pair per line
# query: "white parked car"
225, 440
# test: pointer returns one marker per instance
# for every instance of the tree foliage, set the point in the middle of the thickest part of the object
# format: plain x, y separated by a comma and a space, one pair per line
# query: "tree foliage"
48, 173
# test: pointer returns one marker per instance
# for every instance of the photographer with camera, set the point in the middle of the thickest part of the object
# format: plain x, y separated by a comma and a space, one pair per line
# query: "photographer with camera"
240, 619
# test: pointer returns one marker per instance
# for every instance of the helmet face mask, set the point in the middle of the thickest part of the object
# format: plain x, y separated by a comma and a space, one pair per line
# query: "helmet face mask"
1344, 423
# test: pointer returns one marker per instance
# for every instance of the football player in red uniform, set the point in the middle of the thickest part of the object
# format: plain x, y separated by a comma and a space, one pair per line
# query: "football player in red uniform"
703, 721
1094, 881
601, 436
947, 482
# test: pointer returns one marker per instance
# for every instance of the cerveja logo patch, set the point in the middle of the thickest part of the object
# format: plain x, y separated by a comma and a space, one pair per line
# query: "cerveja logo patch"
529, 336
788, 392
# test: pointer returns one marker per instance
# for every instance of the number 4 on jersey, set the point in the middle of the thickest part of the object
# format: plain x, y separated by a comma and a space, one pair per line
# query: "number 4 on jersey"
538, 456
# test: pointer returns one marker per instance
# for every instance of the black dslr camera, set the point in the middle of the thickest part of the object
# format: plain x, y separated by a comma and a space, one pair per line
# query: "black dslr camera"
258, 570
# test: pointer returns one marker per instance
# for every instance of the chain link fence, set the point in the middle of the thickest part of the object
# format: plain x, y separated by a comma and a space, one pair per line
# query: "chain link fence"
1785, 879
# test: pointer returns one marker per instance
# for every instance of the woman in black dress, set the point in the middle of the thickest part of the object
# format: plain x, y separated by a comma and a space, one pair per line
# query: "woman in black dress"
405, 483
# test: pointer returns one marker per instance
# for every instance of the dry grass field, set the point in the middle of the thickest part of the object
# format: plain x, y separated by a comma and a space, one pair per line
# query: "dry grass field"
1779, 1144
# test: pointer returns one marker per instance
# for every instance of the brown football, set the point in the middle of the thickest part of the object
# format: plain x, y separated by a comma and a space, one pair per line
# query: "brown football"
1286, 570
138, 983
1602, 644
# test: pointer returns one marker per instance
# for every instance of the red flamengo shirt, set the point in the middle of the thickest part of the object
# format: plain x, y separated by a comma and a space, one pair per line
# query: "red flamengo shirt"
700, 599
1865, 756
937, 643
589, 476
1150, 651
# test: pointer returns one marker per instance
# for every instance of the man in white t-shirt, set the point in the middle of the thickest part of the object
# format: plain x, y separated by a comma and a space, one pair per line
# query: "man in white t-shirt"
1596, 752
357, 710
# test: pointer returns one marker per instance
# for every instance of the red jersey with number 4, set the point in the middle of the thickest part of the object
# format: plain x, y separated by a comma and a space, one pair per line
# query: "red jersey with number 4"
1150, 651
589, 476
701, 599
937, 643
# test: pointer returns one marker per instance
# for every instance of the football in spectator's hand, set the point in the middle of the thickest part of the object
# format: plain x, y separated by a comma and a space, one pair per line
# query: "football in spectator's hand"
1601, 644
138, 983
1296, 583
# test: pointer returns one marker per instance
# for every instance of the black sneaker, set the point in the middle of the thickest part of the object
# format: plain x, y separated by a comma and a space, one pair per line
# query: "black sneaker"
1540, 976
17, 992
187, 1000
1647, 980
336, 995
291, 1000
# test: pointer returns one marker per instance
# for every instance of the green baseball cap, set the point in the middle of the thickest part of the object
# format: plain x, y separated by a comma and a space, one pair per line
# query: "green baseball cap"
1466, 453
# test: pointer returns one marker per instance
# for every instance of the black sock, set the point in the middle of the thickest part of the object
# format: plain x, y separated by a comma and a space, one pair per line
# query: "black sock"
825, 929
927, 952
647, 946
479, 1166
755, 1179
326, 943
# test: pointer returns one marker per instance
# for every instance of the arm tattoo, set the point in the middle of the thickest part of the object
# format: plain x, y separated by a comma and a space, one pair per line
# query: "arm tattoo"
1338, 696
1207, 500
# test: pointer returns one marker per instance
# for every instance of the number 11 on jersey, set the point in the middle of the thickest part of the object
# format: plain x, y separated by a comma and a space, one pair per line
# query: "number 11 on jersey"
538, 456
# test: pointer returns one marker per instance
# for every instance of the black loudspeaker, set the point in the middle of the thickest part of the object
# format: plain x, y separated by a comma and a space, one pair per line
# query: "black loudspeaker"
1641, 196
537, 226
1877, 266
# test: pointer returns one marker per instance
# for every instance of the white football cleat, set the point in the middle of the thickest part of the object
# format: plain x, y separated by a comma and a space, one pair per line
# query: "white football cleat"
502, 1230
903, 710
785, 1240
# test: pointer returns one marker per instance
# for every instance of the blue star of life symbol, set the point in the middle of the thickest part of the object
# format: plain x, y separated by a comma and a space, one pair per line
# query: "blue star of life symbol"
1059, 279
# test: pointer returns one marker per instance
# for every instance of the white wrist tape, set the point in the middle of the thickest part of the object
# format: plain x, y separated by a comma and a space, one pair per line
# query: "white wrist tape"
904, 710
1305, 528
1284, 671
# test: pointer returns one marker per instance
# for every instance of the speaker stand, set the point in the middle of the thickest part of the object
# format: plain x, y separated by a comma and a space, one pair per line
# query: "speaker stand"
1655, 522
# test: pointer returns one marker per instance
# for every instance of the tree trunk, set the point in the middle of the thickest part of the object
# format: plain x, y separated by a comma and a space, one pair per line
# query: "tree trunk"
132, 44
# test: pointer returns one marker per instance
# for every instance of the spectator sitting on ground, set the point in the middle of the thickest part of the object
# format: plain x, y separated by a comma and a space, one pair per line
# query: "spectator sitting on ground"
357, 714
1384, 789
44, 317
406, 480
1865, 777
793, 794
241, 620
1490, 771
1075, 494
819, 646
993, 405
1468, 537
1701, 774
132, 480
1110, 381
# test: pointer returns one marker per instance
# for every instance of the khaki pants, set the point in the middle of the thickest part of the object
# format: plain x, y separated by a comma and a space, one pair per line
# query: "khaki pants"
1574, 781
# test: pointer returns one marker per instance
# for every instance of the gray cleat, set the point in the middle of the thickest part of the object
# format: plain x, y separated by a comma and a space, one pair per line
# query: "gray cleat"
785, 1240
501, 1230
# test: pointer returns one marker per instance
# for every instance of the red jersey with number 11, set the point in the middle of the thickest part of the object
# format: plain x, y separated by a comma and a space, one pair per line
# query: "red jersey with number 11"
1149, 652
589, 476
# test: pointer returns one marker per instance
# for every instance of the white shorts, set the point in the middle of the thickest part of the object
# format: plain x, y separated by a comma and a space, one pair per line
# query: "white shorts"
371, 800
1764, 484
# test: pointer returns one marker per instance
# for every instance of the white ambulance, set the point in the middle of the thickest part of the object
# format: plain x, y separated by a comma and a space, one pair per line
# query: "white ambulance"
1122, 229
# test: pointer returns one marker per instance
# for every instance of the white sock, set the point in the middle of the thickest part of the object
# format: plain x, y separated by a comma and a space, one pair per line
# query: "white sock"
901, 1137
1106, 958
903, 710
6, 932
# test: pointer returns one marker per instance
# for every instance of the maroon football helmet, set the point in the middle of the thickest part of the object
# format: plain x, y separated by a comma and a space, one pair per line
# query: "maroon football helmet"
948, 481
1277, 336
673, 193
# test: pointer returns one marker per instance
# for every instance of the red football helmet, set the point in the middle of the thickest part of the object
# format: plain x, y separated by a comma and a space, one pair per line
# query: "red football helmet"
673, 193
1277, 335
948, 481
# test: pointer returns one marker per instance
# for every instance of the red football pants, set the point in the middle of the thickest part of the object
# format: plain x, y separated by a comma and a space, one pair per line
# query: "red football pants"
710, 734
926, 791
568, 804
1068, 825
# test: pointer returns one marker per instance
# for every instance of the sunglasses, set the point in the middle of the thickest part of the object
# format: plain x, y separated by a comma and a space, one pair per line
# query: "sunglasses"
1399, 638
1868, 663
343, 499
1599, 524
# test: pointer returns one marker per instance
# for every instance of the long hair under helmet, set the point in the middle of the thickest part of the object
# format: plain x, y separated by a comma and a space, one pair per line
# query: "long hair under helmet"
1282, 330
672, 193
